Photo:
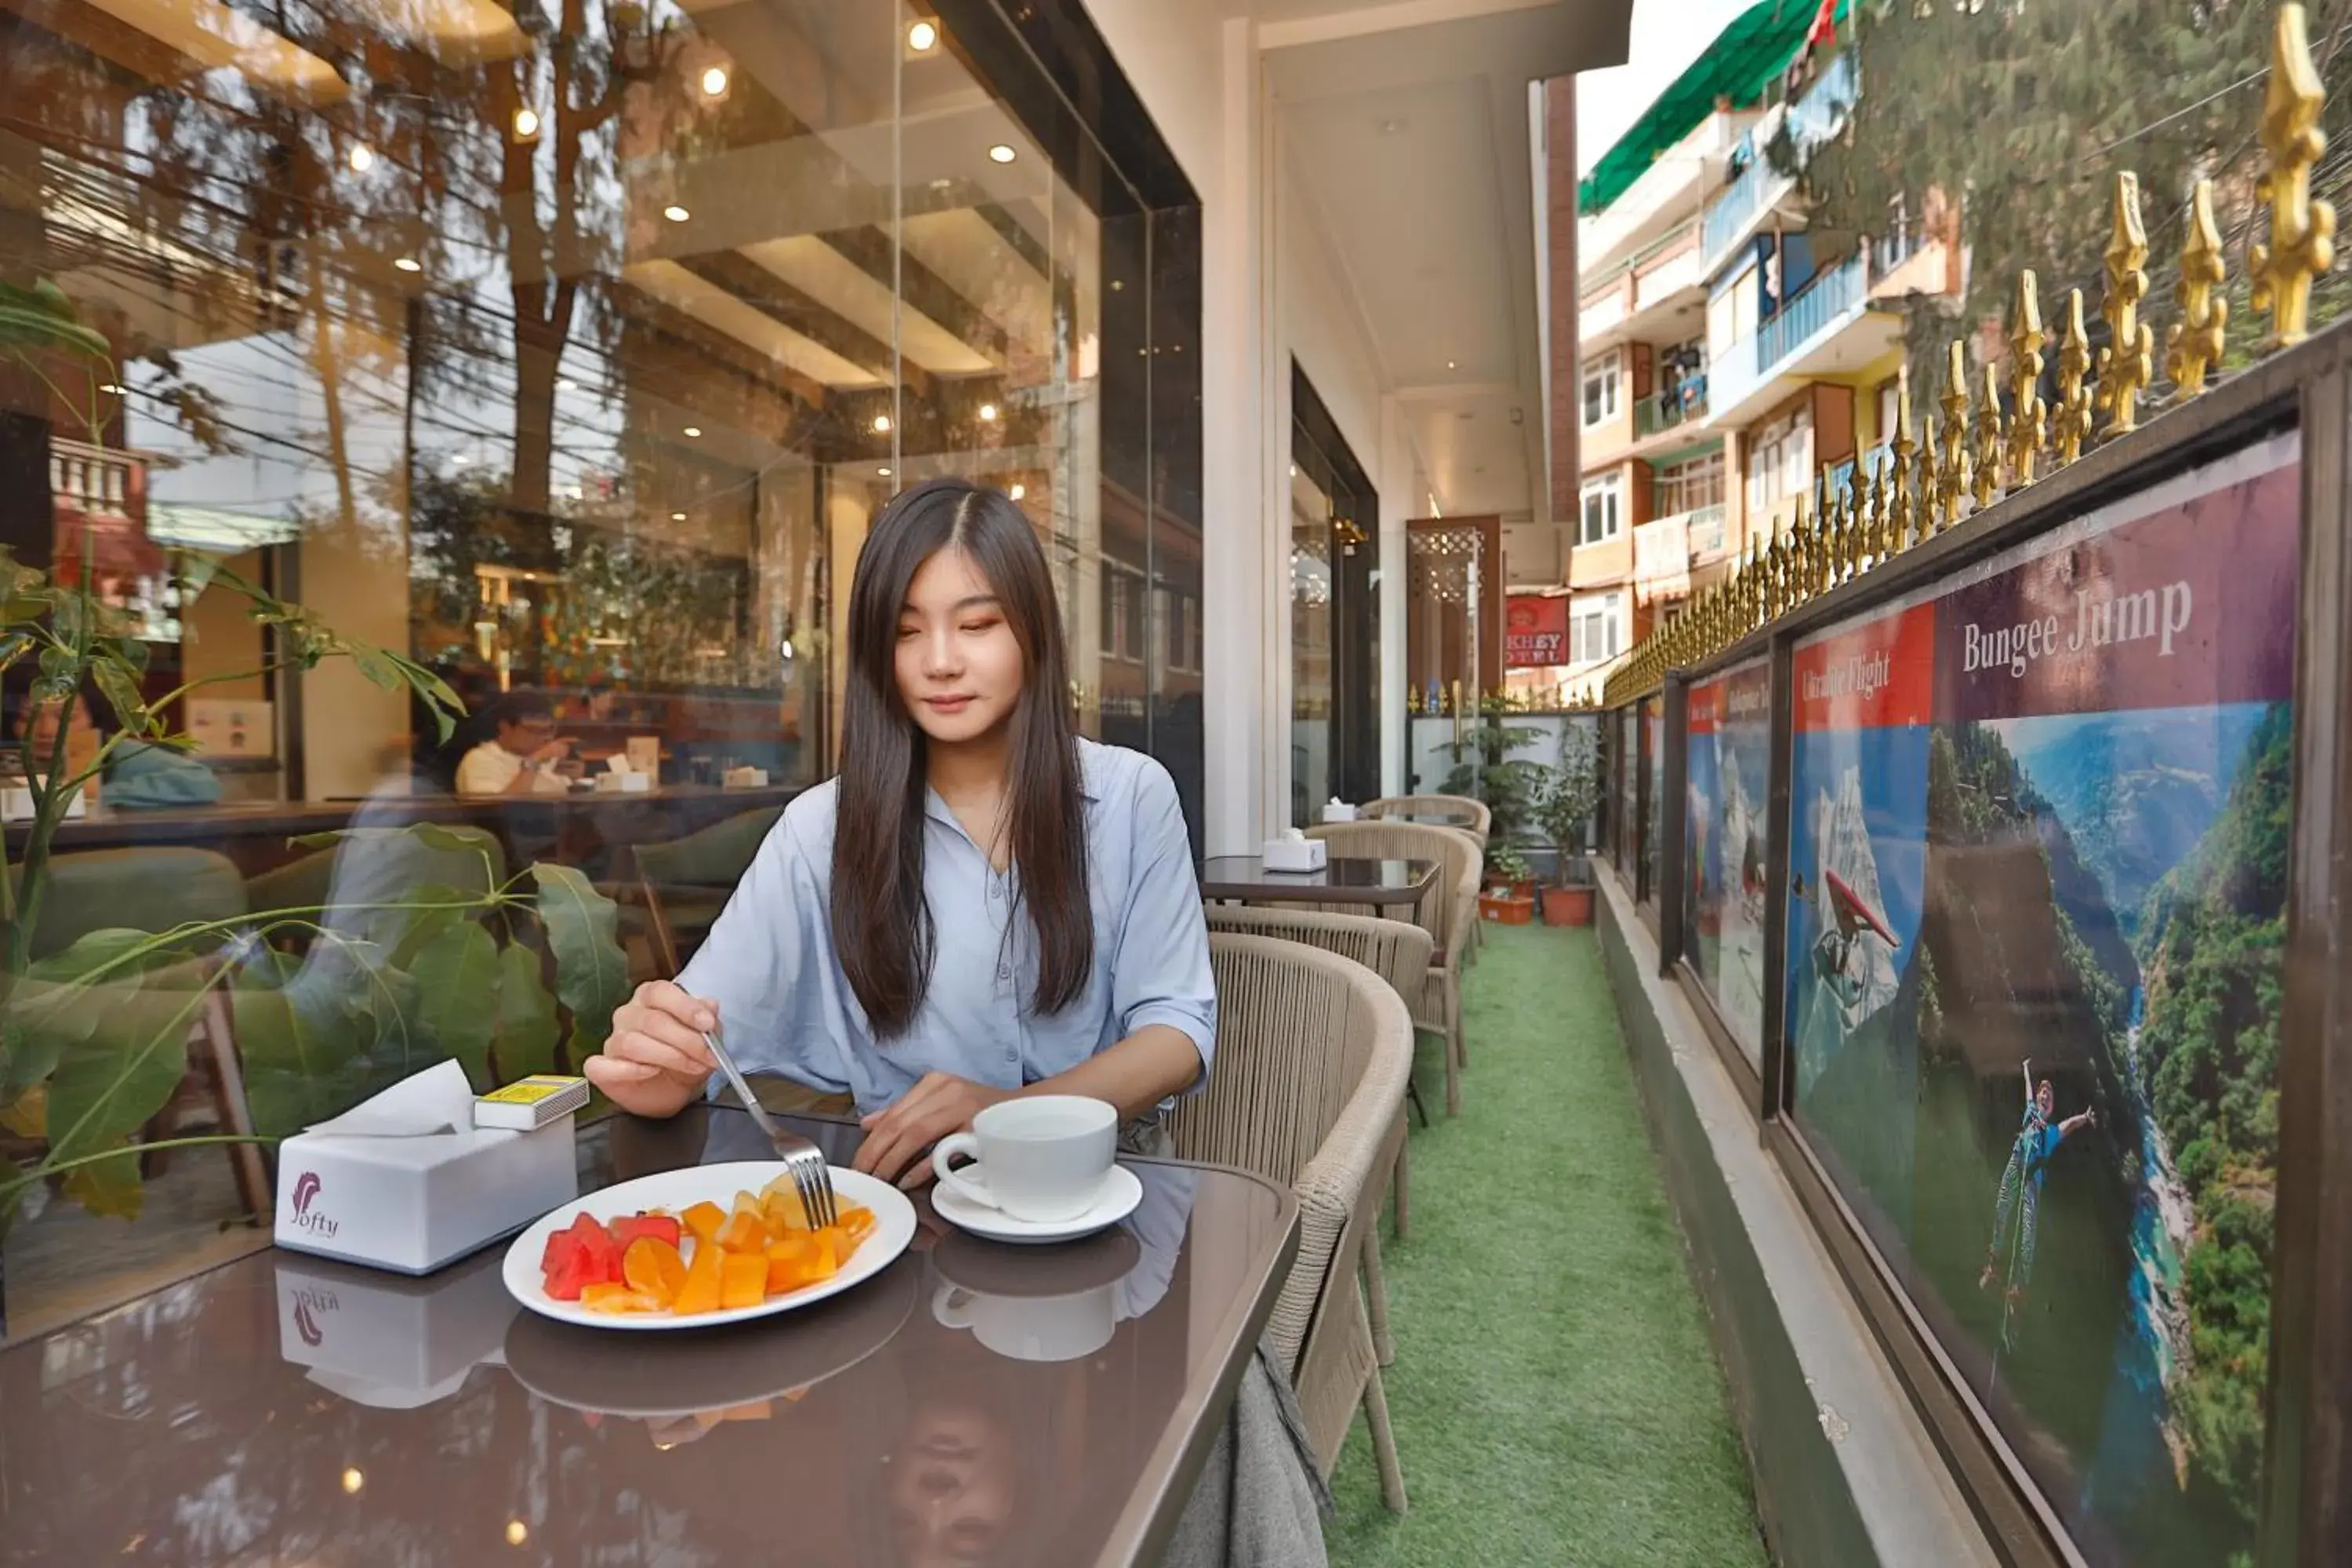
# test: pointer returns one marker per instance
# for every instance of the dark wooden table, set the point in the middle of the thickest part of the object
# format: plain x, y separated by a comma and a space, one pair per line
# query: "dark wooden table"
1344, 879
254, 834
280, 1408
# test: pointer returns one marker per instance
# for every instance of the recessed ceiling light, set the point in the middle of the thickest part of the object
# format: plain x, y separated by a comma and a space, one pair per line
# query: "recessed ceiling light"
1116, 285
676, 214
1449, 364
923, 36
526, 123
1002, 153
883, 471
678, 517
362, 157
408, 263
988, 414
517, 1532
881, 425
714, 82
693, 430
1018, 491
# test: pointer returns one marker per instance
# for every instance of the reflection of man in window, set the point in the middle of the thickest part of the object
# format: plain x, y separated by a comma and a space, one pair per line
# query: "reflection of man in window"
1842, 957
526, 758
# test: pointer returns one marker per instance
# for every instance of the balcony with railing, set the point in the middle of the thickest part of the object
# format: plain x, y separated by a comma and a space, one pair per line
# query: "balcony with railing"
1684, 404
1813, 120
1652, 275
1877, 460
1705, 527
1818, 309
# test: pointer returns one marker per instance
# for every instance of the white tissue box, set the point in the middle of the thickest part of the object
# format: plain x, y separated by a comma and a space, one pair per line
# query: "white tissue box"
412, 1204
1339, 811
390, 1342
1296, 855
17, 804
624, 784
745, 778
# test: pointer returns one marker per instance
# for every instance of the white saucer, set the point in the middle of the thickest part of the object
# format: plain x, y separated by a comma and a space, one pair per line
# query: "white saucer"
1121, 1192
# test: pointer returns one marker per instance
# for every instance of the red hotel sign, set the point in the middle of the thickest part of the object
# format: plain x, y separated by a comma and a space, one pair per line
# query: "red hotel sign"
1535, 630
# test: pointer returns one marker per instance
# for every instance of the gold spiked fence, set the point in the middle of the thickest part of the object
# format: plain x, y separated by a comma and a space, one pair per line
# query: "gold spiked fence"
1948, 470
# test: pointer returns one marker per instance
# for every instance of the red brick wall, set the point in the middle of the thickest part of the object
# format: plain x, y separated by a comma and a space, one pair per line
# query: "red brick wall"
1559, 149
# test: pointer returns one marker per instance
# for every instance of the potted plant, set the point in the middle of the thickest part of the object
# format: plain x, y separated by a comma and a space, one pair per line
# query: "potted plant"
1484, 770
1509, 898
1564, 809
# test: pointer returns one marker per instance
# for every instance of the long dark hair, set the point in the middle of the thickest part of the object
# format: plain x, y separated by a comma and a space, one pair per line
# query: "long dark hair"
881, 928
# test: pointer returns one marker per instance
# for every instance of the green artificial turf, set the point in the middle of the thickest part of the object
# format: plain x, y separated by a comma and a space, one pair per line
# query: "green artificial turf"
1554, 1396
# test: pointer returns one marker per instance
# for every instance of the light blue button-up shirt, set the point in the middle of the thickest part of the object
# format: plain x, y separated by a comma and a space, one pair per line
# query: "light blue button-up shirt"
786, 1006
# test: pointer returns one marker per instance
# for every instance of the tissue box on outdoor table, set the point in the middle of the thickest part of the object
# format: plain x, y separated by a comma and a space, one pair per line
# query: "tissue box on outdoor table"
1296, 855
406, 1182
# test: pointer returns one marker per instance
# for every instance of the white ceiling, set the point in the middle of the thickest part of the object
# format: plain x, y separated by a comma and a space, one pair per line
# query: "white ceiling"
1406, 126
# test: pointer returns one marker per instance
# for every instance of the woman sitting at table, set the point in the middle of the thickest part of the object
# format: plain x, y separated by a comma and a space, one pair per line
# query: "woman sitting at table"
139, 775
981, 904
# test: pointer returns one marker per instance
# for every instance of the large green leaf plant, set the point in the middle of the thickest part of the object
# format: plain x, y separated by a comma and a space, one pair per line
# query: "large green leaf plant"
325, 1002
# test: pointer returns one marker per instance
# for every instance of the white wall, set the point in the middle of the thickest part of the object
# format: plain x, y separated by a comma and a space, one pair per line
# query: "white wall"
1271, 287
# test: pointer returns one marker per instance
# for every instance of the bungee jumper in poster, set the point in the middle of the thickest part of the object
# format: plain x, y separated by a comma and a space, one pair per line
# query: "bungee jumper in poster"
2020, 1191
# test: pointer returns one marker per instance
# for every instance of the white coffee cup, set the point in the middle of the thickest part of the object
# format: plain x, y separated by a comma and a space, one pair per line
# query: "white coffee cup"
1030, 1328
1044, 1158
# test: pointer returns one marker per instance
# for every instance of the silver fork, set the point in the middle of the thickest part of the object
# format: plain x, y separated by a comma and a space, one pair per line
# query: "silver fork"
805, 1162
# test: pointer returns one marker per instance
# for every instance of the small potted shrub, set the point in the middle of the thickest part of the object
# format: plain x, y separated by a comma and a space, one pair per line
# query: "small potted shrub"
1510, 896
1564, 808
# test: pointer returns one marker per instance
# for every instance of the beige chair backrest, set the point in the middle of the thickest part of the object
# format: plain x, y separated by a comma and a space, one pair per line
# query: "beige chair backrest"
1313, 1054
1447, 909
1397, 952
1482, 816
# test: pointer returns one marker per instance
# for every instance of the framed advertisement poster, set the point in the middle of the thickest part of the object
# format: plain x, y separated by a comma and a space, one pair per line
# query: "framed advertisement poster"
2038, 821
1726, 843
1653, 796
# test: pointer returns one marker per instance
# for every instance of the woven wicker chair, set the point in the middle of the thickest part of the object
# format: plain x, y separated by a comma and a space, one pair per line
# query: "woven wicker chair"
1448, 913
1398, 953
1481, 828
1411, 805
1313, 1051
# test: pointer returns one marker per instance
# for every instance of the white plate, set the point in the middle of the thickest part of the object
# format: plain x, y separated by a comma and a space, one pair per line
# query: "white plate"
1120, 1193
894, 1227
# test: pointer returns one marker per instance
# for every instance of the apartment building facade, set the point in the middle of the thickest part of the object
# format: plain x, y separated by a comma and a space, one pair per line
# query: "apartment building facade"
1725, 361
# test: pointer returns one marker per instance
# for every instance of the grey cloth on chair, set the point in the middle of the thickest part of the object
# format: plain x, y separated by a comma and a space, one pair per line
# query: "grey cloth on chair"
1260, 1502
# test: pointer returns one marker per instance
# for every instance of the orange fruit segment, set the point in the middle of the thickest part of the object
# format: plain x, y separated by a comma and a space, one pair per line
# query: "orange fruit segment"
703, 1219
612, 1297
704, 1280
652, 1266
743, 1232
743, 1279
780, 1202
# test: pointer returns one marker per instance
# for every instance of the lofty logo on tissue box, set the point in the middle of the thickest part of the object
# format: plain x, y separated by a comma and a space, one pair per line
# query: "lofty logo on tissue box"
406, 1182
307, 1216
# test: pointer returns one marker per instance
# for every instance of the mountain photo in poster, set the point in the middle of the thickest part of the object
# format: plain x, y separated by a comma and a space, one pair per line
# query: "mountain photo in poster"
1724, 843
2096, 1109
1702, 835
1653, 736
1857, 866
